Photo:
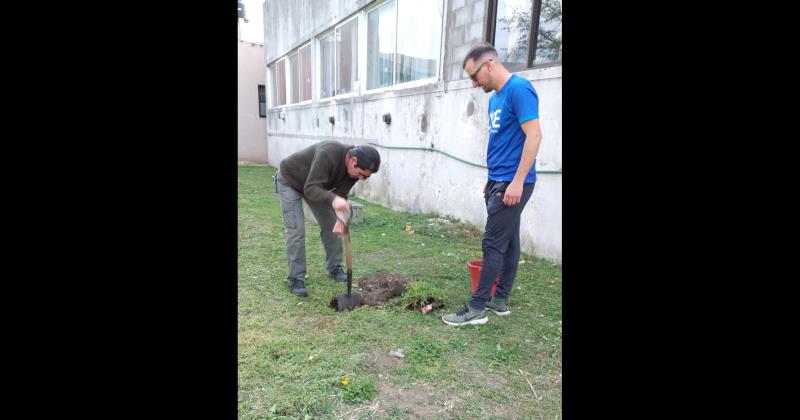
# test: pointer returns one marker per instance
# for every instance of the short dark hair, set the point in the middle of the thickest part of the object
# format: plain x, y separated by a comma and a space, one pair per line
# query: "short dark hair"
368, 157
478, 51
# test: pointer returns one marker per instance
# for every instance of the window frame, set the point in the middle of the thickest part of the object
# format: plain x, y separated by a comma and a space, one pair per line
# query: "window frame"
272, 97
533, 34
317, 68
285, 81
300, 65
290, 77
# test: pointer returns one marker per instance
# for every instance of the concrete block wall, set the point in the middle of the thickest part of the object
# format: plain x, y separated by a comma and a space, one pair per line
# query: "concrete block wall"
465, 27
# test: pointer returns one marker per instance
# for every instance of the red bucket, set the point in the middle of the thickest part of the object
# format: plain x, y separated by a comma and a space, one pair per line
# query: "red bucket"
474, 267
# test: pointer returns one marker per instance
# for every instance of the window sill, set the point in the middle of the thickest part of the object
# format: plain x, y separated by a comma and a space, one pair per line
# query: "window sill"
402, 86
342, 96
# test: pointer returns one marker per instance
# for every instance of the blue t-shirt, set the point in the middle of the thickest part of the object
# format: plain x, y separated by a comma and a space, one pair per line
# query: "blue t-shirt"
515, 103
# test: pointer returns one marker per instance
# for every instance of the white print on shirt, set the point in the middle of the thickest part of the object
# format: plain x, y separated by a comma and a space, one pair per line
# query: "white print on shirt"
495, 117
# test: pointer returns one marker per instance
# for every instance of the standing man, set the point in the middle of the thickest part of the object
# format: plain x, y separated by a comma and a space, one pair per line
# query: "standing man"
322, 174
514, 138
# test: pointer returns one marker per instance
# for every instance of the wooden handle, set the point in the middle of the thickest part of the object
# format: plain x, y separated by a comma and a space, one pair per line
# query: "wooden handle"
347, 248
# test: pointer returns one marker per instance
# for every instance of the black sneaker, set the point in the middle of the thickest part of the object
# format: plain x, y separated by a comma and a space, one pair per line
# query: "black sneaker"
298, 287
338, 273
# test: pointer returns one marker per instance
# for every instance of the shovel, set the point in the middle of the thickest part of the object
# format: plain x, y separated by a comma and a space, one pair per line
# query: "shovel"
347, 301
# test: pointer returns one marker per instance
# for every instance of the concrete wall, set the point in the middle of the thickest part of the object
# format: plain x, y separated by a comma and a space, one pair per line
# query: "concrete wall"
447, 115
252, 130
465, 27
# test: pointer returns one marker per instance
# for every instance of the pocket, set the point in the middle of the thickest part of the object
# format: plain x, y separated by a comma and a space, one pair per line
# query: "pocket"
494, 201
288, 219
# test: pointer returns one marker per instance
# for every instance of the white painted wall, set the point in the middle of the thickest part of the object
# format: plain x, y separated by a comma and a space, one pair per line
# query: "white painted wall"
252, 130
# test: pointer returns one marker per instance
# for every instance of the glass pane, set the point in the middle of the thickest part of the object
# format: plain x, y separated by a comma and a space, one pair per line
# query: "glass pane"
305, 73
261, 94
281, 82
511, 32
326, 66
347, 56
262, 109
548, 42
294, 79
272, 84
420, 23
380, 46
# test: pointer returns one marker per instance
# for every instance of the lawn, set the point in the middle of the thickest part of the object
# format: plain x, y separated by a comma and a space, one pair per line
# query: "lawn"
300, 359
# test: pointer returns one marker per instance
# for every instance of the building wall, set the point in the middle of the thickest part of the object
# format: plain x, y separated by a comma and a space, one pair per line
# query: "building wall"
287, 24
252, 130
450, 116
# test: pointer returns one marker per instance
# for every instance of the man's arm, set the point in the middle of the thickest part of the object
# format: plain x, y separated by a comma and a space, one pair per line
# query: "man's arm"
533, 137
319, 174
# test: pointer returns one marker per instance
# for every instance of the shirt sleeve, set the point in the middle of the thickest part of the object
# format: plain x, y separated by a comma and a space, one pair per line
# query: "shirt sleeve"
525, 102
319, 175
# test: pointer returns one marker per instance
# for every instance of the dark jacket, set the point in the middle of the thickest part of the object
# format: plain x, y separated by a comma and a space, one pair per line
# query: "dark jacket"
319, 171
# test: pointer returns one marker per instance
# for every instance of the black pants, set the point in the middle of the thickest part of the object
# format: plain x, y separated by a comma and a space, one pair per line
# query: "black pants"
501, 247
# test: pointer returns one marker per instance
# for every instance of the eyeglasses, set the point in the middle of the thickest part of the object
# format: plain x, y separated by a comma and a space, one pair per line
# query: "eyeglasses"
474, 76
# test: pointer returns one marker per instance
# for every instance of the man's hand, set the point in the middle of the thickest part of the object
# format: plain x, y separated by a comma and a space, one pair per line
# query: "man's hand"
513, 194
338, 229
340, 204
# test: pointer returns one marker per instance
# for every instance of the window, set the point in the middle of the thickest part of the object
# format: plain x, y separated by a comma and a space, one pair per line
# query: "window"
290, 77
526, 33
326, 66
305, 73
420, 22
414, 54
280, 82
339, 60
347, 56
262, 101
380, 46
294, 79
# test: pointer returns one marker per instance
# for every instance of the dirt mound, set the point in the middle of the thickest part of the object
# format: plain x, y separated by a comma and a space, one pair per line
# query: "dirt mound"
381, 287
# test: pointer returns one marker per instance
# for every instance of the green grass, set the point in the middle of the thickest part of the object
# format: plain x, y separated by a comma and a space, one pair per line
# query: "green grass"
294, 353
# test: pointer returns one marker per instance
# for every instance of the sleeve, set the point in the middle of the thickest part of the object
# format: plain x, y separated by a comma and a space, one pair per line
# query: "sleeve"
319, 175
526, 103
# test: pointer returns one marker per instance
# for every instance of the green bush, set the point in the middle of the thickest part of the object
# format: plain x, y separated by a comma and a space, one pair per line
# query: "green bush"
420, 293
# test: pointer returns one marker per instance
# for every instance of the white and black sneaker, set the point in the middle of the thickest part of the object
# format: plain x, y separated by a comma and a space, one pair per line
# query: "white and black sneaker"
466, 316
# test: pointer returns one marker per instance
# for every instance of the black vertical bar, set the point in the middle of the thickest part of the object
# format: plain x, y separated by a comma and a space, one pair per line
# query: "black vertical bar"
534, 33
491, 16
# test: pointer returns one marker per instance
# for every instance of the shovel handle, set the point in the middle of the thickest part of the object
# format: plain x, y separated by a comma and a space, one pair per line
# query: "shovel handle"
348, 252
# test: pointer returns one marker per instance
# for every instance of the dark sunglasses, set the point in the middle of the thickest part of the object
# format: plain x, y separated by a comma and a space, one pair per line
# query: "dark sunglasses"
473, 76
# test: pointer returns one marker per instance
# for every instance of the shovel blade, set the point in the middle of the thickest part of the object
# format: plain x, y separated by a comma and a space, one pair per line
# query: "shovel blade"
346, 302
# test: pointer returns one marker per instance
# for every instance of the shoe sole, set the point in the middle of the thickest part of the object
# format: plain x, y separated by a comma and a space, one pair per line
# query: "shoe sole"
473, 322
499, 313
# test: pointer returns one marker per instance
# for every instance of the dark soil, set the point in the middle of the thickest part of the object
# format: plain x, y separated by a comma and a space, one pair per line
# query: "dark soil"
381, 287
